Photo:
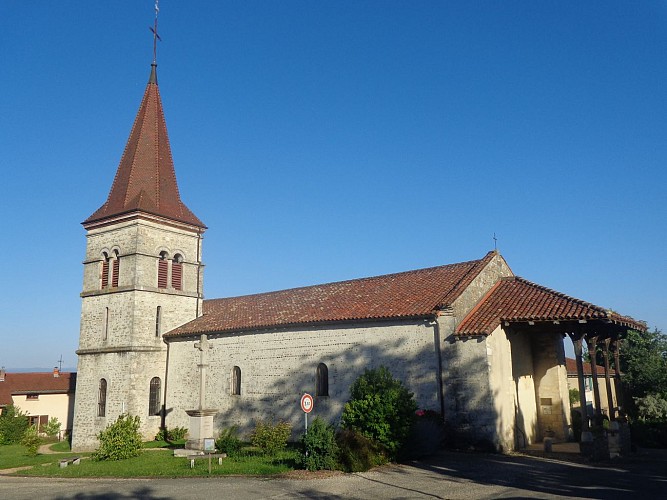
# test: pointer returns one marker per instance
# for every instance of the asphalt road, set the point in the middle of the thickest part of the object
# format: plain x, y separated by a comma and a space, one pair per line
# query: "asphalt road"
448, 476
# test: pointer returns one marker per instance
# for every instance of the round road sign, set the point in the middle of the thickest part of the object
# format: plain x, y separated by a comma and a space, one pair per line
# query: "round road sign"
307, 403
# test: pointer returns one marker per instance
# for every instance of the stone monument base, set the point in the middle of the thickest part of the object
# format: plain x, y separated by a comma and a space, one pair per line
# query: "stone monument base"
201, 428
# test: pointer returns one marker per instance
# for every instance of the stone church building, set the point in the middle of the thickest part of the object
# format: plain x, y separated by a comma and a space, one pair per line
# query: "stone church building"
474, 342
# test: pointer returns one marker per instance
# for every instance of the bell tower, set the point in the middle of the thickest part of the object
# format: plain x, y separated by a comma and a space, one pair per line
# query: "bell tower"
142, 277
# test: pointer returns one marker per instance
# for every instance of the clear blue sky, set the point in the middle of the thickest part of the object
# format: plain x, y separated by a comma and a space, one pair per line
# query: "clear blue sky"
323, 141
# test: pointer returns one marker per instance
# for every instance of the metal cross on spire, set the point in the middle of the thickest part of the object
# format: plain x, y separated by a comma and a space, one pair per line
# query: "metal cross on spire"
156, 37
495, 242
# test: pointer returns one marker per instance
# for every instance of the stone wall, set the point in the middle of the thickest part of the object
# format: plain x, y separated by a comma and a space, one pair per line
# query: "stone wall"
277, 367
121, 330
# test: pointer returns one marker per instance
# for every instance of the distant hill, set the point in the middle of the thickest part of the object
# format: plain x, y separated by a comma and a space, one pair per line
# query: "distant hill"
39, 369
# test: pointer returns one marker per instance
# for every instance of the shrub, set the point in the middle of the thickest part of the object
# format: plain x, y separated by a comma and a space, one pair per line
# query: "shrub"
52, 427
381, 408
652, 407
426, 436
320, 450
228, 441
357, 453
13, 424
120, 440
271, 438
31, 440
170, 435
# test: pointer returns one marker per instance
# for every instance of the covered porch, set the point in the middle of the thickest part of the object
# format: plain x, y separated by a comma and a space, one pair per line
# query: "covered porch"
535, 320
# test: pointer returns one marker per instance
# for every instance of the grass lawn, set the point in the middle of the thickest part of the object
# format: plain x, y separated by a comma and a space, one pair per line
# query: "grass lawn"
151, 463
15, 455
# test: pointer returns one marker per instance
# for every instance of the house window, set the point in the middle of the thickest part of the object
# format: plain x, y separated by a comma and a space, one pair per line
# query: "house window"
236, 381
154, 397
158, 321
32, 396
177, 272
322, 382
162, 271
102, 399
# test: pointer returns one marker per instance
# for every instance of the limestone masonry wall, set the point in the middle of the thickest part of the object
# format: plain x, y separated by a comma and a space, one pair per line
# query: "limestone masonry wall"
278, 367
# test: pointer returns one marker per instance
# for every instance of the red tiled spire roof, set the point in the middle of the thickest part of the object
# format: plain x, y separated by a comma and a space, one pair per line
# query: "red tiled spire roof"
409, 294
145, 180
517, 299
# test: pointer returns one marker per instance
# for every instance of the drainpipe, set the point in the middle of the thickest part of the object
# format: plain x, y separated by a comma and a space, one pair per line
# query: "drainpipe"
438, 351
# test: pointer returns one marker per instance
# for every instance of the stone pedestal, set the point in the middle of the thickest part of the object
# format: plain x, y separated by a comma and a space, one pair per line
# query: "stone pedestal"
201, 428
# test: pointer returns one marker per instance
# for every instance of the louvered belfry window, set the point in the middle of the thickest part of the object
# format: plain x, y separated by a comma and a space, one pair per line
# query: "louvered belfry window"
154, 396
162, 271
177, 273
116, 272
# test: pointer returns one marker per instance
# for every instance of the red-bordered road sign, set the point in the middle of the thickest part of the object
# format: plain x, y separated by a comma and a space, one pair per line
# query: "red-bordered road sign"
307, 403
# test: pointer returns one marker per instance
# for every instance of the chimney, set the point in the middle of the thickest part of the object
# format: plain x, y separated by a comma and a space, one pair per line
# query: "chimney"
2, 374
56, 372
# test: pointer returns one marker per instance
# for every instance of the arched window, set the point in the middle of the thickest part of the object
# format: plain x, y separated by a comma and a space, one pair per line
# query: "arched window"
115, 269
102, 399
154, 396
177, 272
163, 271
158, 321
236, 381
105, 270
322, 382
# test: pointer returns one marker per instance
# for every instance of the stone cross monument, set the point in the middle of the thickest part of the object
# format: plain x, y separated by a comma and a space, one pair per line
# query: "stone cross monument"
201, 419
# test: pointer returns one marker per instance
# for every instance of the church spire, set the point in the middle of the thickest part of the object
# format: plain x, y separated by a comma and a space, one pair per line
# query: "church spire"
145, 180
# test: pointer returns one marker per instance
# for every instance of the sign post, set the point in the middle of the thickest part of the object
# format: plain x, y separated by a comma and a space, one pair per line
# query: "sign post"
307, 407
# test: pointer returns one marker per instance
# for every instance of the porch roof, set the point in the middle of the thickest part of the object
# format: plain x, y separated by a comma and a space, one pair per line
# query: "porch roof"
514, 299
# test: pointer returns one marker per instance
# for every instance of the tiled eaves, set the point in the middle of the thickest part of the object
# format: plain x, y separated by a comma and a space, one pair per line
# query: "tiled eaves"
411, 294
514, 299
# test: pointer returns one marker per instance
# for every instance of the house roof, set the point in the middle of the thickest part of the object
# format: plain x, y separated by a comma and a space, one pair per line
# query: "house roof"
35, 383
417, 293
145, 180
571, 367
515, 299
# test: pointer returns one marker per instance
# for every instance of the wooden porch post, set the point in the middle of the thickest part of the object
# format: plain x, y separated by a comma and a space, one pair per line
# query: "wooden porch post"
617, 377
610, 397
577, 341
592, 344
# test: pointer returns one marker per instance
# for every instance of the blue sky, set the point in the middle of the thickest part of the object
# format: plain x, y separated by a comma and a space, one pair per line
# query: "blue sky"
323, 141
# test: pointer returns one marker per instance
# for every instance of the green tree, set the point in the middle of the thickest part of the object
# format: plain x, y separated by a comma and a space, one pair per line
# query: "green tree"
52, 427
381, 408
13, 424
644, 363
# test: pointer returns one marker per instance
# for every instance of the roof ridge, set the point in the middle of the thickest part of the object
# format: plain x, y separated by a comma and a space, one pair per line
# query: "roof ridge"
353, 280
563, 295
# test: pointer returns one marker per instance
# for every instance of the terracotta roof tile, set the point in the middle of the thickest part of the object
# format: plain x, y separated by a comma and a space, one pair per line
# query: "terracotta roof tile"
409, 294
35, 383
516, 299
145, 180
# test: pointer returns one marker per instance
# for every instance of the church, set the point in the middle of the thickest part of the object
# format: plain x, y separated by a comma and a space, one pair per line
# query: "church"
472, 341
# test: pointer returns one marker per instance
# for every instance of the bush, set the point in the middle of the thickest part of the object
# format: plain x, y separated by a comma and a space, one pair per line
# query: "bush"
357, 453
120, 440
31, 440
271, 438
426, 437
228, 441
13, 424
652, 407
649, 434
171, 435
381, 408
320, 450
52, 427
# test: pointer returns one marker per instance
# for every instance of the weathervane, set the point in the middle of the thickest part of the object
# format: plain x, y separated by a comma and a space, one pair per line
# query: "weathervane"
156, 37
